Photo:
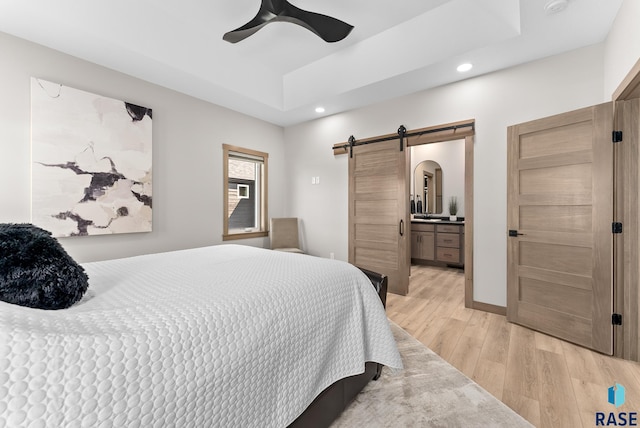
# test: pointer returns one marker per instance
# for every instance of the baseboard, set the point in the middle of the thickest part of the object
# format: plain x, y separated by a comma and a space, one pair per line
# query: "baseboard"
487, 307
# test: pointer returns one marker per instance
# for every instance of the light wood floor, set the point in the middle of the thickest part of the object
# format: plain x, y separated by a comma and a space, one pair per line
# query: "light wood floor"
549, 382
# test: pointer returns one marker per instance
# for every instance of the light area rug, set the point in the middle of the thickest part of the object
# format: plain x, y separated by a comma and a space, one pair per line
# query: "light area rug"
428, 392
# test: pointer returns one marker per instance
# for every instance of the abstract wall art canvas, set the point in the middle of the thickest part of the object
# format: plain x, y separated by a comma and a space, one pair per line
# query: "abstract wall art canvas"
91, 162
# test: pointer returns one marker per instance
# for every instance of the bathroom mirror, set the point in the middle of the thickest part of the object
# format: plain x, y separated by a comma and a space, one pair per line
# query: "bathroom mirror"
428, 186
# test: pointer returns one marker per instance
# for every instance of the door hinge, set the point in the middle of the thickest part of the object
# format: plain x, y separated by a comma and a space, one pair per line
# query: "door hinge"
616, 136
616, 319
616, 227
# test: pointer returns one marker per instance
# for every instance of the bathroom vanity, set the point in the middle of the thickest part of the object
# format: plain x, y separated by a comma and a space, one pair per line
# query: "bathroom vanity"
437, 240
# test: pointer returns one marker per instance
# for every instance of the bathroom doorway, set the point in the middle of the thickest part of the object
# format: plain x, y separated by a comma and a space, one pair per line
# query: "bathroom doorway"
447, 136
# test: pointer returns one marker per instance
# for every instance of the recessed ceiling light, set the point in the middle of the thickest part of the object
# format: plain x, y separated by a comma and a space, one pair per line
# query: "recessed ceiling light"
319, 109
464, 67
555, 6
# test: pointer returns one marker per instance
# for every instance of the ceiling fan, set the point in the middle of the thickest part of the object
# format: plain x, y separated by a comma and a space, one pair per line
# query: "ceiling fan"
327, 28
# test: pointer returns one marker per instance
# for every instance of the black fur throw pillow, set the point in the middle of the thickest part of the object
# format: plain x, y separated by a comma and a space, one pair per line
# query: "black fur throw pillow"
35, 270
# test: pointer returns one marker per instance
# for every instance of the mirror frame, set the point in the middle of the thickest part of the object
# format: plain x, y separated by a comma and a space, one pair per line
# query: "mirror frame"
431, 201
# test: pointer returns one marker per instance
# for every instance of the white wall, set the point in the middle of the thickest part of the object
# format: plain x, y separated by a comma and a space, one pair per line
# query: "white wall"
188, 134
187, 152
622, 47
450, 156
542, 88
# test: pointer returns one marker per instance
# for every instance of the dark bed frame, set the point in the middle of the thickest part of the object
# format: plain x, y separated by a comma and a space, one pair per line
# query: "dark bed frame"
332, 401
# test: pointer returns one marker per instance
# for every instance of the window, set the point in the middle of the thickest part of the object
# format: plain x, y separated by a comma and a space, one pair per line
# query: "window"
245, 193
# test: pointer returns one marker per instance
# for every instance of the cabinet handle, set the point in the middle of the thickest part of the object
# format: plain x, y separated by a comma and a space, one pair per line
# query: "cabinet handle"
401, 227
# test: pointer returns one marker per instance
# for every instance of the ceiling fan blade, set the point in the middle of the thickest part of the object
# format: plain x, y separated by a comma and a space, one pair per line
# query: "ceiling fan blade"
328, 28
262, 18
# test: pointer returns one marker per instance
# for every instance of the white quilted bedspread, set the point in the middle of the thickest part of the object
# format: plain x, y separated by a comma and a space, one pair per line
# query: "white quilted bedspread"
223, 336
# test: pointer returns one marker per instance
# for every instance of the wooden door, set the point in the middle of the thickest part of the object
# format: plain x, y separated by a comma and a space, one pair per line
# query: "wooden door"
379, 218
560, 209
627, 244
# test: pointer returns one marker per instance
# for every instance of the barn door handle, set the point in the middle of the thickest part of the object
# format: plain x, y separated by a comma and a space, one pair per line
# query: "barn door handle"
514, 233
401, 227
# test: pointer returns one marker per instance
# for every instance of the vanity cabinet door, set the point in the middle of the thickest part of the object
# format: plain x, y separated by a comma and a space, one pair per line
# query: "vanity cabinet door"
416, 251
427, 246
423, 245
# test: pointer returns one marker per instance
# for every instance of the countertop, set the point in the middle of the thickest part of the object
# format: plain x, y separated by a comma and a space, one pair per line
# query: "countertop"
436, 221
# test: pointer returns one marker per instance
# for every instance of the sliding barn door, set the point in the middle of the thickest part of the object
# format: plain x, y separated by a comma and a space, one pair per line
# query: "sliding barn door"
379, 219
560, 213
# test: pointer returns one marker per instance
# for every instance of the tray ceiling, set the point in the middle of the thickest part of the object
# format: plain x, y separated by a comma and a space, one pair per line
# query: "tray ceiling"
281, 73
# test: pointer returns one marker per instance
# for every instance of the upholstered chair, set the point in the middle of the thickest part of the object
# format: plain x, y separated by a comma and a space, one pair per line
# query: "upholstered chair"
284, 235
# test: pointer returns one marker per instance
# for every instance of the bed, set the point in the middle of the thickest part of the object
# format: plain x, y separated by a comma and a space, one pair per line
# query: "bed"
223, 336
